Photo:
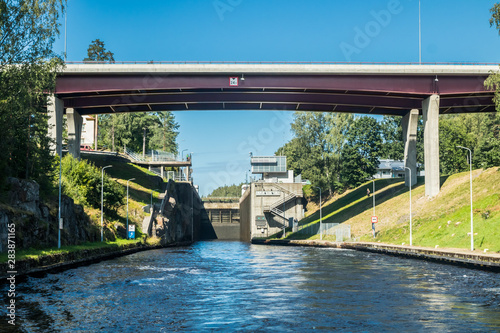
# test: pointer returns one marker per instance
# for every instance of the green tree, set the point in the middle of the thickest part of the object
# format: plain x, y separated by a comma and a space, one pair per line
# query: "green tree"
227, 191
392, 134
136, 131
165, 135
27, 73
315, 151
393, 141
480, 132
360, 155
97, 52
82, 181
312, 129
493, 81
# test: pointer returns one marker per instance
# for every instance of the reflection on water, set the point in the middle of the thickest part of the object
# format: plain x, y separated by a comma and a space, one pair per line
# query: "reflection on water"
235, 286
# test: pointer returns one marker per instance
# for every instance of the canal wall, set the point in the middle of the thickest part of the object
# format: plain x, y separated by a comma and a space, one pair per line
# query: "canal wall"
62, 261
180, 214
458, 257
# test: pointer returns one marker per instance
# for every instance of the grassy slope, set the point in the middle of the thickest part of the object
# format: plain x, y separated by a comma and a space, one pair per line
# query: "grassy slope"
139, 196
139, 189
443, 220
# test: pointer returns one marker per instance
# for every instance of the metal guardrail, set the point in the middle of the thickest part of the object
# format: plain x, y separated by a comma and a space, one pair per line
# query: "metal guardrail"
340, 231
466, 63
151, 156
179, 176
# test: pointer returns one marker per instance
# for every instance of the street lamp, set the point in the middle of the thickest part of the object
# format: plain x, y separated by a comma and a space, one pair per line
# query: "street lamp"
284, 215
182, 154
410, 208
471, 216
373, 224
127, 204
156, 189
59, 213
102, 198
320, 215
373, 180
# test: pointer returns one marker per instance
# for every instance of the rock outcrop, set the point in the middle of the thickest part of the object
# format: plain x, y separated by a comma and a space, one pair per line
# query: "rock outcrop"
37, 224
174, 223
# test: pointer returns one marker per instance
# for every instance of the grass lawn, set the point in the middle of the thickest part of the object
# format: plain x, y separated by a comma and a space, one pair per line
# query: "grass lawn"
443, 220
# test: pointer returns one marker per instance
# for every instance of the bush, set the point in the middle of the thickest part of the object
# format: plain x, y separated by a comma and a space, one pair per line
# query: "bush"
82, 182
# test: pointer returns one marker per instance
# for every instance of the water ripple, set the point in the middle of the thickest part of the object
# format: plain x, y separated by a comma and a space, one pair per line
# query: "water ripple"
233, 286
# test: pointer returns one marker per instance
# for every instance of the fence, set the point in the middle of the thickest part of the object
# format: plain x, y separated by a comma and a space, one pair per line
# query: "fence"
151, 156
179, 176
340, 231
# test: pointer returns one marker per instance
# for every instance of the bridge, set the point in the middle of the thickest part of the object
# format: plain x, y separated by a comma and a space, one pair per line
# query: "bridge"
406, 90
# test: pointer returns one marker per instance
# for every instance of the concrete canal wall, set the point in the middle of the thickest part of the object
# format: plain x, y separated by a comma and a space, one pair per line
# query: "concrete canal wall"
459, 257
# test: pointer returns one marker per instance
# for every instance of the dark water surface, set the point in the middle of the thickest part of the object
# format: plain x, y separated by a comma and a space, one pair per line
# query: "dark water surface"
233, 286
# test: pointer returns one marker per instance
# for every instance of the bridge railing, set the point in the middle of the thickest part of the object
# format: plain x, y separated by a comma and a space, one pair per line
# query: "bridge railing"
462, 63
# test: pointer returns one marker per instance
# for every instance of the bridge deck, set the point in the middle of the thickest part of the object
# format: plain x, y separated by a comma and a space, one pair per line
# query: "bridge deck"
357, 88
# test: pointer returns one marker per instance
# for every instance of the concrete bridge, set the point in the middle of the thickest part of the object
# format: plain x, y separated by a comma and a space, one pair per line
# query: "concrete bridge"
379, 89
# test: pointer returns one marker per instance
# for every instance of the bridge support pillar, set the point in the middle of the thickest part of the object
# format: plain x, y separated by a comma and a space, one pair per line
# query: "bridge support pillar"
74, 132
55, 110
430, 110
410, 125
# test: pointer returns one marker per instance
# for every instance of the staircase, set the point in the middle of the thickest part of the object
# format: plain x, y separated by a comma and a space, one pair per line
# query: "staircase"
274, 208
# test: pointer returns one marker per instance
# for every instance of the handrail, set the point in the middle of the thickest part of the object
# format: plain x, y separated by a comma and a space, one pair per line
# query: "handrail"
151, 156
283, 201
459, 63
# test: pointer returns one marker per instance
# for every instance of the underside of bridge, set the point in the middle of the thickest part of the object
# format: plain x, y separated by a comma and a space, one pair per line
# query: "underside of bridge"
408, 91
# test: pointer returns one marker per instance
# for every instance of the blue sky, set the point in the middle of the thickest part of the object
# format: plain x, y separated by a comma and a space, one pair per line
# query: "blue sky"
272, 30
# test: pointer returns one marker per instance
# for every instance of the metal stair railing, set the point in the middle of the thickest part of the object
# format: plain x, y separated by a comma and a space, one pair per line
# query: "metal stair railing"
134, 156
282, 201
287, 191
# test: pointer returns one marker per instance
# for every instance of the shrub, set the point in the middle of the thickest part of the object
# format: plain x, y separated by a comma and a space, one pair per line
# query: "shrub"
82, 182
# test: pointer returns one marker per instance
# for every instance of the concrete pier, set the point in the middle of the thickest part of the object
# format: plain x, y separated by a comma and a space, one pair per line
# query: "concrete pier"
74, 132
430, 110
410, 126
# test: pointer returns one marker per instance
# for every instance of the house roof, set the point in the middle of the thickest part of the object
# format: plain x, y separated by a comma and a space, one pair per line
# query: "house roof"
391, 165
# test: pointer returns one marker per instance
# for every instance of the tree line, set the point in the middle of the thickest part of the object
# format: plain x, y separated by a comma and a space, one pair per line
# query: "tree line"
28, 71
139, 132
336, 151
28, 68
136, 131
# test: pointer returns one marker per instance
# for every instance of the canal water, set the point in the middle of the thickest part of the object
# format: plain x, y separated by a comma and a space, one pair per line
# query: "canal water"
234, 286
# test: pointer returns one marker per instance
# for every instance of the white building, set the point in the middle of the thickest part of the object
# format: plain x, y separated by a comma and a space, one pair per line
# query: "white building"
88, 131
393, 169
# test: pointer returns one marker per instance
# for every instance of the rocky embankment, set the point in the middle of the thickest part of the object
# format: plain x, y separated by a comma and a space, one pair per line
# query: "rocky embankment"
36, 222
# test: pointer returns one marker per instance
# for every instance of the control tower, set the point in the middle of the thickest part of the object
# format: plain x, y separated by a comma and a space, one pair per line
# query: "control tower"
272, 203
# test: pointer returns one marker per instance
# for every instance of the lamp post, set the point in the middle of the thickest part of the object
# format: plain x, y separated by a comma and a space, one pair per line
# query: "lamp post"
373, 224
284, 215
182, 154
471, 216
373, 181
410, 208
127, 204
156, 189
419, 34
59, 212
102, 198
320, 215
